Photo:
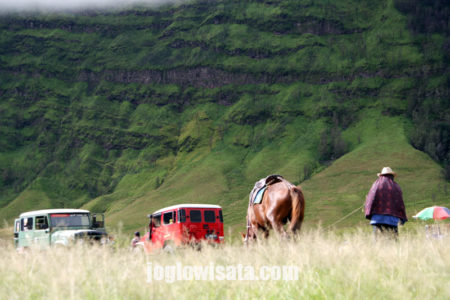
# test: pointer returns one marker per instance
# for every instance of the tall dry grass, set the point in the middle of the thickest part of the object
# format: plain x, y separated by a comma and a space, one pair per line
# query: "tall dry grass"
344, 266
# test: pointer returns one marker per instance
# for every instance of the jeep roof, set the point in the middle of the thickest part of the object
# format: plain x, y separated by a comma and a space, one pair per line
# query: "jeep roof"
53, 211
187, 206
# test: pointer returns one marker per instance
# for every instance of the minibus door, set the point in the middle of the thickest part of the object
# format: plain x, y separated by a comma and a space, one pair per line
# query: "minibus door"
170, 227
211, 224
157, 237
16, 232
41, 231
26, 233
194, 218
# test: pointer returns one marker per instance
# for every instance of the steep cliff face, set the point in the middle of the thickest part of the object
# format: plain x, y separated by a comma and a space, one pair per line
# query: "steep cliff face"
195, 102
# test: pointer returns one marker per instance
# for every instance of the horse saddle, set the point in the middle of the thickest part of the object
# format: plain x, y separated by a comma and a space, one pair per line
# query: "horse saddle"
259, 195
260, 187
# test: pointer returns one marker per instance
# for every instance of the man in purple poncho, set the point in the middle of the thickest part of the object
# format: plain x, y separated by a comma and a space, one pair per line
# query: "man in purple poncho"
384, 205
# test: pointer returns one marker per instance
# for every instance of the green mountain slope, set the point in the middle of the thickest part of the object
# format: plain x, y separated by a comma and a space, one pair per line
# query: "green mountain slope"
127, 112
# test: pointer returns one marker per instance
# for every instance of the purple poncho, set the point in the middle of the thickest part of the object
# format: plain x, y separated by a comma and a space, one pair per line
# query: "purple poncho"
385, 198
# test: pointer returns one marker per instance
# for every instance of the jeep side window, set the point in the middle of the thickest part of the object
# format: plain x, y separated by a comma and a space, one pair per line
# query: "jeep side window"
156, 220
196, 216
27, 224
30, 224
41, 223
97, 220
182, 215
220, 216
210, 216
168, 218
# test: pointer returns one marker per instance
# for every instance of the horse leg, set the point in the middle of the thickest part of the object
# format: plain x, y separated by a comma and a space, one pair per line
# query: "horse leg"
277, 226
266, 233
263, 231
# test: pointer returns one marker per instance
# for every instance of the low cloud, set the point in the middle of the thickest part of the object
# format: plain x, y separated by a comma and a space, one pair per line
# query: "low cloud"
17, 6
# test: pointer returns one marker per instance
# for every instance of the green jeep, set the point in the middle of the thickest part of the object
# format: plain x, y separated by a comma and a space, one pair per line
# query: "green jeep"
43, 228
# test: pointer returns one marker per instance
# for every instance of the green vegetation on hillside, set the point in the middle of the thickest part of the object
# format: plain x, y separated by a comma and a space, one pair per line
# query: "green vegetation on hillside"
127, 112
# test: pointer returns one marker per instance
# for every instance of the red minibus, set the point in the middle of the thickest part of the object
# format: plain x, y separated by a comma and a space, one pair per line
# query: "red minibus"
184, 224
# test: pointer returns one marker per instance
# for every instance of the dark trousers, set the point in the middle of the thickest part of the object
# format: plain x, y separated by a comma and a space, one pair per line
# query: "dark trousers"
385, 230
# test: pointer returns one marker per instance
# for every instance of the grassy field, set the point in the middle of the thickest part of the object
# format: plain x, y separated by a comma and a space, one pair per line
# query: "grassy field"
331, 266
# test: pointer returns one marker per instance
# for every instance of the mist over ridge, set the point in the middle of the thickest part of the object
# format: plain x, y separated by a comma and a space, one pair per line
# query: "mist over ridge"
53, 6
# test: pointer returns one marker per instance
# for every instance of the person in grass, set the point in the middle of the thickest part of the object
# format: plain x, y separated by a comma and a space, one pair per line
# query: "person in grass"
135, 240
384, 205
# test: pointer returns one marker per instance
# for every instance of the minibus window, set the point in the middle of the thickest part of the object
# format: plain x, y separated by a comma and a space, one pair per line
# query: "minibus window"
196, 216
168, 218
181, 216
41, 223
220, 216
210, 216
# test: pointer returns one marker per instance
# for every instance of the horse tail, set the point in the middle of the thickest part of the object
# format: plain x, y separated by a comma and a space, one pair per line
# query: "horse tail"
298, 209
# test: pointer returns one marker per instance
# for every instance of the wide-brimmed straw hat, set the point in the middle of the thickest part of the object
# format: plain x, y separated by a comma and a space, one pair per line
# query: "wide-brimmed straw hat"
387, 171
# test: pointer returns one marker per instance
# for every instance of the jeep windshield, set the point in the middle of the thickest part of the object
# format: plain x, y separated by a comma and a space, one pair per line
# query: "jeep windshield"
70, 220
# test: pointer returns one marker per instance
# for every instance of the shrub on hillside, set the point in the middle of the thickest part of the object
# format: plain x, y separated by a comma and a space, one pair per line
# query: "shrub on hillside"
331, 145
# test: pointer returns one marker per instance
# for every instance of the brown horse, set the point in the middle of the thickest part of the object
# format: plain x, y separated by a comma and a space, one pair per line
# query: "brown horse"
282, 202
